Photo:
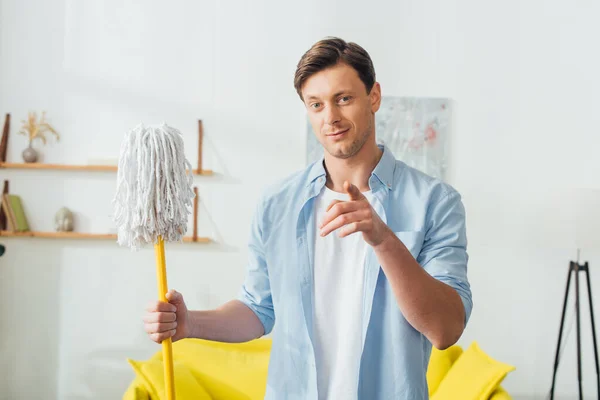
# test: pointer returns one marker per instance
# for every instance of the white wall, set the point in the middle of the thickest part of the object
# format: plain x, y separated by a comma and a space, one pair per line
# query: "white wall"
525, 81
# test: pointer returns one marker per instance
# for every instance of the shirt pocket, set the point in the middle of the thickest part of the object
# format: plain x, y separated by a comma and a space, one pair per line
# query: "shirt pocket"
413, 240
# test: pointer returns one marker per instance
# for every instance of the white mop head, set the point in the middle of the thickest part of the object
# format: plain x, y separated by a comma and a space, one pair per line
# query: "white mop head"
154, 187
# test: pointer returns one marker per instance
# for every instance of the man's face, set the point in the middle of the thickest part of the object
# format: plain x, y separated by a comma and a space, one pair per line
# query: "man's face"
341, 112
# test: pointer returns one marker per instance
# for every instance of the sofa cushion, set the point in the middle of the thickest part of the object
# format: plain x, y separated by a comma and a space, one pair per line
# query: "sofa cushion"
136, 390
151, 374
500, 394
474, 376
440, 363
227, 371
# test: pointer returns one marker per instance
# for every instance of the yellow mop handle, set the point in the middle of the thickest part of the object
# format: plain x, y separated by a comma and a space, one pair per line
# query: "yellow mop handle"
161, 274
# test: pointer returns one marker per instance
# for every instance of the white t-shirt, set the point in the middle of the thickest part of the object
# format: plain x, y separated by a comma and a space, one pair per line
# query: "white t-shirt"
338, 304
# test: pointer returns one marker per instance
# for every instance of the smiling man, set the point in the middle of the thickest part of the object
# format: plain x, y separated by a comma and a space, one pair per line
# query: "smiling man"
359, 258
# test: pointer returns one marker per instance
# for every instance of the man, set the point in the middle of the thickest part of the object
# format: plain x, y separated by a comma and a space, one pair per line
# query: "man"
359, 258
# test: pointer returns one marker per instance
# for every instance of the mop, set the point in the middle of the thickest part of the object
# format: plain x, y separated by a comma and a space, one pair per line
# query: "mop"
152, 203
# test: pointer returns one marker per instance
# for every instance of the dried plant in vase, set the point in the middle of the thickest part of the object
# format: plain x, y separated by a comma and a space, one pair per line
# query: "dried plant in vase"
35, 129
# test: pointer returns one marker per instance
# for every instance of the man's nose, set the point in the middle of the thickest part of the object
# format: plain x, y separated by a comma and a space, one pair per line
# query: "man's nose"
332, 115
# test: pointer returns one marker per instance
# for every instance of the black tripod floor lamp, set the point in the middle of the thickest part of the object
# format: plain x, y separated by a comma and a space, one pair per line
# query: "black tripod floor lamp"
574, 269
585, 218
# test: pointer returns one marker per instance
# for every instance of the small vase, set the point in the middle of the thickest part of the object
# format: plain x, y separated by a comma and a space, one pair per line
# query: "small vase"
30, 155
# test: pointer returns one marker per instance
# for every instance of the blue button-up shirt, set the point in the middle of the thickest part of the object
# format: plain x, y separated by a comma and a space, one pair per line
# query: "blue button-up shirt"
425, 213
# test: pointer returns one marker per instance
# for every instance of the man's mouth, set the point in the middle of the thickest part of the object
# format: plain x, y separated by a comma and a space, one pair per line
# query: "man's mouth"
338, 133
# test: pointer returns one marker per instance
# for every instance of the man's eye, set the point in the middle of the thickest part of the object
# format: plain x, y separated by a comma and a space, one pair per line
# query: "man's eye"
345, 99
315, 105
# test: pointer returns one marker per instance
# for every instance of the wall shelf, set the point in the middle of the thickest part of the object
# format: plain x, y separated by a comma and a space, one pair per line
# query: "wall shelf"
107, 168
98, 168
80, 235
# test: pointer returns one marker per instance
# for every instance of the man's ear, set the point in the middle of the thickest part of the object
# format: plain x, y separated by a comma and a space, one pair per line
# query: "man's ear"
375, 96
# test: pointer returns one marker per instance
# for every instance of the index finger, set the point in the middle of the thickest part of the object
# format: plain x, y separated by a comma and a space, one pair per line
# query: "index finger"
353, 191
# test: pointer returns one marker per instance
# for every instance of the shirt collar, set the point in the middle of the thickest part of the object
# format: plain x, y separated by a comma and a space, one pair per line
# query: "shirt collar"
316, 171
384, 171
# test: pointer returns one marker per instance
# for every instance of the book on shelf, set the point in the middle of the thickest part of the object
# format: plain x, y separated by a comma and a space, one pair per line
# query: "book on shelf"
16, 220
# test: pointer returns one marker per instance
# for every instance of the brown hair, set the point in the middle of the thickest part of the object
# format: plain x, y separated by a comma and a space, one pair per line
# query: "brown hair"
327, 53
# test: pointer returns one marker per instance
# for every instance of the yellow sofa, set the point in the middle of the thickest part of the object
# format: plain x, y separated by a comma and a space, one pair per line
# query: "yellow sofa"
207, 370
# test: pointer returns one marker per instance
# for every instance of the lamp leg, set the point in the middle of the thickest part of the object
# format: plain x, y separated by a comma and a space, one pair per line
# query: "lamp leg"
578, 330
560, 331
589, 290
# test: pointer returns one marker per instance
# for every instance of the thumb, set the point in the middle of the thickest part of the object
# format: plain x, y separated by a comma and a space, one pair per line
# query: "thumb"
353, 191
175, 298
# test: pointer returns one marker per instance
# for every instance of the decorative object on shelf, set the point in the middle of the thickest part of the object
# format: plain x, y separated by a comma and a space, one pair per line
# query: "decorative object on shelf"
11, 223
35, 129
4, 141
154, 193
3, 216
195, 231
63, 220
15, 216
200, 137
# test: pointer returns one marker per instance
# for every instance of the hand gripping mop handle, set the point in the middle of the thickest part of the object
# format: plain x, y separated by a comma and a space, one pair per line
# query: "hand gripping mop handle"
167, 349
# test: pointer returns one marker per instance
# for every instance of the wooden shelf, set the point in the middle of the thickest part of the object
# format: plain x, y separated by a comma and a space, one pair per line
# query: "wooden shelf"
80, 235
108, 168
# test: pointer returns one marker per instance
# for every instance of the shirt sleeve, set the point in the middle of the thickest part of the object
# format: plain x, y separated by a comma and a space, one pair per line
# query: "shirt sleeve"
256, 289
444, 253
